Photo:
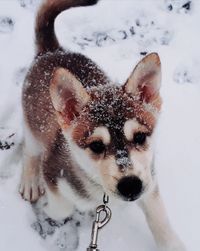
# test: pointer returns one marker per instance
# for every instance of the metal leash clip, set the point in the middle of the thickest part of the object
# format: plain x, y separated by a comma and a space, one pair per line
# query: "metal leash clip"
99, 222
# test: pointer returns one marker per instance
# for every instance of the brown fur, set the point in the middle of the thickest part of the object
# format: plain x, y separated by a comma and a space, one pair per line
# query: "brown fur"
111, 107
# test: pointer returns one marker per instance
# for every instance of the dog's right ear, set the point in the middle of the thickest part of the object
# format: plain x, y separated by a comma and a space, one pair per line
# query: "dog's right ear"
68, 96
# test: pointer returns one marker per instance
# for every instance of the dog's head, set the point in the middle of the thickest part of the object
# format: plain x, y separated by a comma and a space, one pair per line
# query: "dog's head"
110, 129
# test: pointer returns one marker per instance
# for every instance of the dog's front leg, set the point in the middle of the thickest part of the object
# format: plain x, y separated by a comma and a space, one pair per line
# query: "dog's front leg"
154, 210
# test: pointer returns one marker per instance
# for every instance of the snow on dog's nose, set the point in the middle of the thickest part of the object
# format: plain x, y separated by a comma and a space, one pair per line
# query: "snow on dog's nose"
130, 187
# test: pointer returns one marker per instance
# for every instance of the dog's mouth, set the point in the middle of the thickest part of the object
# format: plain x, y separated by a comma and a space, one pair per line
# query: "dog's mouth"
119, 197
130, 198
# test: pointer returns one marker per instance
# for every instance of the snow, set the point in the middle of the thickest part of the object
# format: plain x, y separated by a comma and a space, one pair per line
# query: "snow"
115, 35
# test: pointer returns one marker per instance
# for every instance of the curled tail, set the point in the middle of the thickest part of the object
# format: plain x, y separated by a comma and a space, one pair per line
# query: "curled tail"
45, 35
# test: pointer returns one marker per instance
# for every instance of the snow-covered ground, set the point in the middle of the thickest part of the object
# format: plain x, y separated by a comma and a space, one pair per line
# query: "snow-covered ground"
115, 34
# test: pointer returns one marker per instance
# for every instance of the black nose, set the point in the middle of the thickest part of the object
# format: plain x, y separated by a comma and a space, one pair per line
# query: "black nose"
130, 187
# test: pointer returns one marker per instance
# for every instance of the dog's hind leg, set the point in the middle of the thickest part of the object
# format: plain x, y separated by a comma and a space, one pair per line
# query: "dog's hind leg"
154, 210
31, 187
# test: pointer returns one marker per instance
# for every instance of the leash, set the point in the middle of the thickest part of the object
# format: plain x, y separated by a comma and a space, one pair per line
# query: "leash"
99, 222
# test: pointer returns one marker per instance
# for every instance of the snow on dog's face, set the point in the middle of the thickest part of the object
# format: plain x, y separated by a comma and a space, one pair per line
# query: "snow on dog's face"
110, 129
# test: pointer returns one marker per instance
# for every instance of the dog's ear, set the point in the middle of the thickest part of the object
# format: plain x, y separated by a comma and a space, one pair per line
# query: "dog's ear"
145, 79
68, 96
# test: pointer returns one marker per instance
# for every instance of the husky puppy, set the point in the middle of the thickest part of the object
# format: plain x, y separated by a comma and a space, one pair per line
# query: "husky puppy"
85, 135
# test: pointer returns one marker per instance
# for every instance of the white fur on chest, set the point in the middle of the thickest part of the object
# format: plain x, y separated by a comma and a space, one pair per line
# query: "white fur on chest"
65, 200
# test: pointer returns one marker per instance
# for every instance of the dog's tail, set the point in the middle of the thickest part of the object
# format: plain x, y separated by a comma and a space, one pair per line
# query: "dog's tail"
45, 36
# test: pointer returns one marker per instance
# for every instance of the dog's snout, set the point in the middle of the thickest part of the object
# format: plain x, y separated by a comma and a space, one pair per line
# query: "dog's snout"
130, 187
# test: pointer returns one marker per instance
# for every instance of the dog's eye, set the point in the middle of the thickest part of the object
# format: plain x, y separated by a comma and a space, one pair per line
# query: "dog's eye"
139, 138
97, 147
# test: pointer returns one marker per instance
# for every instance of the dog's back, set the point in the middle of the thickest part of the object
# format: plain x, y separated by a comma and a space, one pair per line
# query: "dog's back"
50, 56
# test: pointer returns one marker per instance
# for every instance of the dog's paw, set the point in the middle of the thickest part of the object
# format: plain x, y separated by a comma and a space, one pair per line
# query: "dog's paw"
31, 188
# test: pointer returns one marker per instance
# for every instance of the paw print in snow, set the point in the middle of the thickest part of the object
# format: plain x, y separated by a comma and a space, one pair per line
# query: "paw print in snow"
179, 6
6, 24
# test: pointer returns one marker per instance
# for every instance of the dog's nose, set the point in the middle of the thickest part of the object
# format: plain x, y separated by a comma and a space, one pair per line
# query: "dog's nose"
130, 187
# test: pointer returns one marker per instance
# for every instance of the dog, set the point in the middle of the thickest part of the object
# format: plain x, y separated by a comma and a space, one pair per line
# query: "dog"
84, 135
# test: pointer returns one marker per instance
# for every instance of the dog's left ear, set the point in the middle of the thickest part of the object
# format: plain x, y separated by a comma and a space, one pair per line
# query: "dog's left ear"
145, 79
68, 96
